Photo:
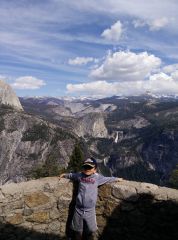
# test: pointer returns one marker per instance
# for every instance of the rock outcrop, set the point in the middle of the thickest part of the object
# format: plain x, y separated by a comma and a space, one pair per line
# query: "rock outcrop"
42, 209
27, 142
91, 125
8, 96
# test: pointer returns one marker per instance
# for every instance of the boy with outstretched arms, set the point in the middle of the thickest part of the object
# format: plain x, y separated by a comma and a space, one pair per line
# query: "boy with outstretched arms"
88, 180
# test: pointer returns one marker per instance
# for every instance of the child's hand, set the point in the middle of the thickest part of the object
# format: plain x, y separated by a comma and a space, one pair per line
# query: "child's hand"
61, 176
120, 179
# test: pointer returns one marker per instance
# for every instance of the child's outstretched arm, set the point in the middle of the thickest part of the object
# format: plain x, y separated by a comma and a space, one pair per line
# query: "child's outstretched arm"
102, 180
71, 176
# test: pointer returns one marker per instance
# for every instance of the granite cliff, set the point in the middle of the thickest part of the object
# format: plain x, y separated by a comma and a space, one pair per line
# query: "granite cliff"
8, 96
26, 142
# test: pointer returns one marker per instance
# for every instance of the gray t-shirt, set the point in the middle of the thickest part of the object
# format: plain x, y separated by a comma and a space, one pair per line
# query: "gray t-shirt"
88, 188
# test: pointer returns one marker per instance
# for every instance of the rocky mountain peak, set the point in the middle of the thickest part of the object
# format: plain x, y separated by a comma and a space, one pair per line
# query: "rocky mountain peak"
8, 96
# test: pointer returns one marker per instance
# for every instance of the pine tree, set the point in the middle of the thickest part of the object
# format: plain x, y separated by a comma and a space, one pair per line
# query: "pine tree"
174, 178
76, 159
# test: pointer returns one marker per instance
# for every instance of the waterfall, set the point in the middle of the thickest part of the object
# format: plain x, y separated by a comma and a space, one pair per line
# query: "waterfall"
116, 139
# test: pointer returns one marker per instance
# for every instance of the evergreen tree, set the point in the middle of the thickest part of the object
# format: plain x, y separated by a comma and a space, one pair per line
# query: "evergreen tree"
174, 178
76, 159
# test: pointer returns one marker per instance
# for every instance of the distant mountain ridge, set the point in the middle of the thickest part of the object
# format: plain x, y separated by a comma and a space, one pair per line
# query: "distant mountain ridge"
135, 137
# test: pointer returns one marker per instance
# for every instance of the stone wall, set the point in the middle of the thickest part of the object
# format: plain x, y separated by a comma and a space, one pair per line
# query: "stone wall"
42, 209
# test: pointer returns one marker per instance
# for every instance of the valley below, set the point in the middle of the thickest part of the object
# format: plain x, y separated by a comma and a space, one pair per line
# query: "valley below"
135, 138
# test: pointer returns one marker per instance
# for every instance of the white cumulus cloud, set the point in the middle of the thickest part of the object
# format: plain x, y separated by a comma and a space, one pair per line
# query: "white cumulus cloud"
28, 82
174, 75
172, 71
157, 83
138, 23
154, 24
162, 83
170, 68
158, 23
113, 33
80, 60
104, 89
101, 88
126, 66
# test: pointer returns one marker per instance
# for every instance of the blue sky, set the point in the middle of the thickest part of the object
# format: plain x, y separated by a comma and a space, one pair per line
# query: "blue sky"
89, 47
